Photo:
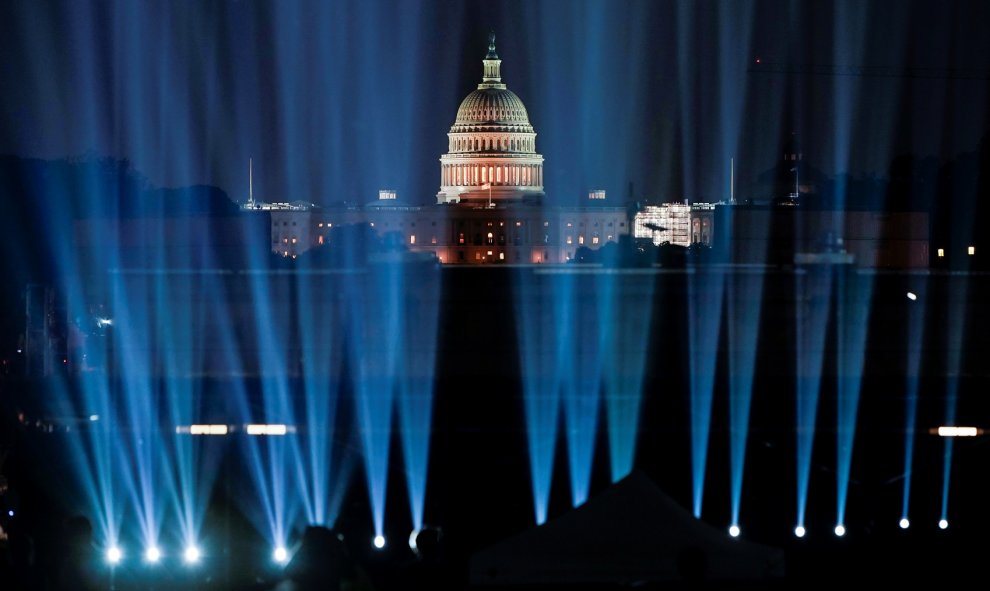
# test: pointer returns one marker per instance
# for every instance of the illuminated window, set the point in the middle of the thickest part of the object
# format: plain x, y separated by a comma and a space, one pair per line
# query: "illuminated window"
570, 240
609, 238
570, 225
319, 225
460, 238
546, 224
581, 239
433, 240
285, 253
594, 239
941, 252
319, 239
501, 256
971, 250
518, 224
285, 241
489, 253
412, 239
491, 239
294, 240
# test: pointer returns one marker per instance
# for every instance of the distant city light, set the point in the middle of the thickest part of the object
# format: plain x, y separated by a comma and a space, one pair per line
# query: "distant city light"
262, 429
840, 530
379, 542
191, 555
281, 555
912, 296
734, 531
905, 523
202, 429
153, 554
953, 431
799, 531
971, 250
943, 524
114, 555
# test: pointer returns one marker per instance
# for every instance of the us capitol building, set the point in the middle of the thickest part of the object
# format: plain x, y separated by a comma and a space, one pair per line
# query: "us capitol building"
489, 207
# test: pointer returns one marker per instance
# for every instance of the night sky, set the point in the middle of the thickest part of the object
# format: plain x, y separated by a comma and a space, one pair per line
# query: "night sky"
335, 100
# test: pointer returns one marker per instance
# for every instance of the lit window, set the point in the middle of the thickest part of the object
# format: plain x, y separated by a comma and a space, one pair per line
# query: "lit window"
609, 238
460, 238
518, 224
285, 253
581, 239
319, 225
594, 239
941, 252
412, 239
329, 225
319, 239
570, 240
294, 240
285, 241
372, 224
489, 253
546, 224
971, 250
433, 240
501, 256
569, 225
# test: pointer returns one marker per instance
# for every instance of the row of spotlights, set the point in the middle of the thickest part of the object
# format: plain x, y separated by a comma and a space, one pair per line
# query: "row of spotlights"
153, 555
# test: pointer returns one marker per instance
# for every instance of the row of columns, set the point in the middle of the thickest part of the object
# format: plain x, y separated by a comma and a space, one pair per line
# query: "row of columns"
479, 144
529, 175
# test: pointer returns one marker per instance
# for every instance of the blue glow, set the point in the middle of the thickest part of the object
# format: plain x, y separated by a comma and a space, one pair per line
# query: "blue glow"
853, 311
542, 343
954, 343
745, 293
705, 293
627, 338
916, 328
415, 394
814, 288
581, 384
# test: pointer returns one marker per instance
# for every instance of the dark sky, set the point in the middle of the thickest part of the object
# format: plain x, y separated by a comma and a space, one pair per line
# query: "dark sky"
335, 100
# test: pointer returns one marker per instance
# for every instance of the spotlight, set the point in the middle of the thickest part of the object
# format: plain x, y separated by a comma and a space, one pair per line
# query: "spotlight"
799, 531
281, 555
153, 554
734, 530
912, 296
379, 542
943, 524
905, 523
840, 530
114, 555
412, 539
191, 555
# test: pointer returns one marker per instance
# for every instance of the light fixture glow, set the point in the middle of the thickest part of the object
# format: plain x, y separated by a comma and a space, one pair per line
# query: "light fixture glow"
262, 429
191, 555
379, 542
943, 524
905, 523
952, 431
799, 531
114, 555
840, 530
912, 296
734, 531
412, 539
202, 429
281, 555
153, 554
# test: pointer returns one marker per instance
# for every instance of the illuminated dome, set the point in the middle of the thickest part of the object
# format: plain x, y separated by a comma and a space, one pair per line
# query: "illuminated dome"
491, 156
492, 106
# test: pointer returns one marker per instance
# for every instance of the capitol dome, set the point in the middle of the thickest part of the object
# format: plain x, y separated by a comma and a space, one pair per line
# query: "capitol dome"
492, 145
492, 106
